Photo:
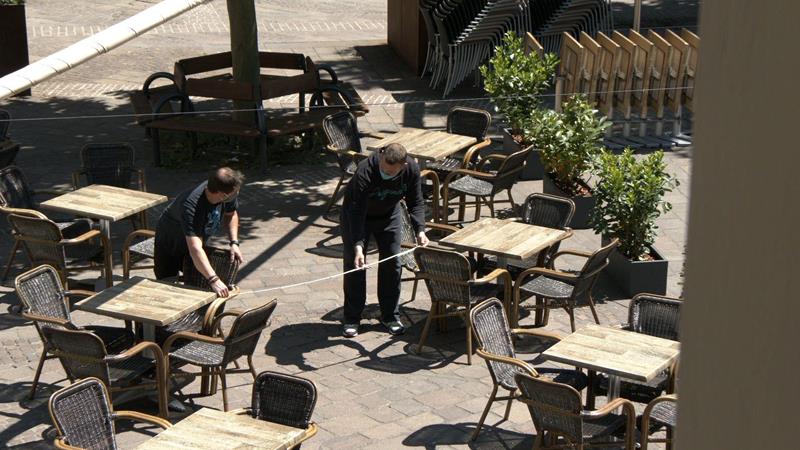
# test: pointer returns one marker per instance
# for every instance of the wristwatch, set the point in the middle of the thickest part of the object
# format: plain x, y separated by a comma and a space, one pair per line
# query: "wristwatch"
233, 242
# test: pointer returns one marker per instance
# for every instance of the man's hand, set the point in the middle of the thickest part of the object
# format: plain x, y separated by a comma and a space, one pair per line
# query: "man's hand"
360, 261
236, 254
422, 239
219, 288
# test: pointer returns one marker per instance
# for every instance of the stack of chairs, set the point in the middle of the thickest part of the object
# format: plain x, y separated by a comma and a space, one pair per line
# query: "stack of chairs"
552, 18
635, 80
463, 33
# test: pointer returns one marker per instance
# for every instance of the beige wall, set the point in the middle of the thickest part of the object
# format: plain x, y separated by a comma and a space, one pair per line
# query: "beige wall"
739, 385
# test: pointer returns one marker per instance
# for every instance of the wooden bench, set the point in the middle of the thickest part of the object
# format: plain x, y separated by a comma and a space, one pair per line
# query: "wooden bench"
154, 106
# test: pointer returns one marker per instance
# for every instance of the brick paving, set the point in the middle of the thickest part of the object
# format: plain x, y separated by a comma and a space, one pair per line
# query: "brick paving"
374, 389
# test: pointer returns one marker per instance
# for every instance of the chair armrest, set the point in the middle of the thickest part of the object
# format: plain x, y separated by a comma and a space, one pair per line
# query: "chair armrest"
142, 417
22, 212
569, 252
608, 408
356, 156
544, 271
538, 333
645, 424
310, 432
188, 335
137, 233
464, 172
52, 320
442, 227
209, 320
218, 319
84, 237
136, 349
372, 134
60, 444
492, 157
79, 293
472, 151
493, 275
505, 359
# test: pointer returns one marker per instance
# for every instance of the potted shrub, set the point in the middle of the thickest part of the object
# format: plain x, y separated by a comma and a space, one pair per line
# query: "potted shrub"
13, 37
630, 197
515, 81
568, 142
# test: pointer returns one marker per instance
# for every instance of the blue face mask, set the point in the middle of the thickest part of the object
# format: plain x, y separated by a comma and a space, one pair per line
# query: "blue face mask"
386, 176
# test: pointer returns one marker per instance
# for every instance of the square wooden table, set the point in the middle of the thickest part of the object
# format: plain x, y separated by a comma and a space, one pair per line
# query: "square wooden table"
429, 145
152, 303
504, 238
105, 203
615, 352
209, 429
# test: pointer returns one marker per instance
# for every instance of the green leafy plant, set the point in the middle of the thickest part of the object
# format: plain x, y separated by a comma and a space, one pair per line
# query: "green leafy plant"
515, 80
568, 141
630, 197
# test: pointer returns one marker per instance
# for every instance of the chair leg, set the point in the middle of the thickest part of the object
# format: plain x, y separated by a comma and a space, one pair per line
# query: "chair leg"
332, 201
224, 389
571, 313
511, 200
427, 326
462, 207
250, 365
469, 337
594, 311
477, 208
490, 203
38, 373
414, 291
537, 444
485, 413
11, 259
508, 405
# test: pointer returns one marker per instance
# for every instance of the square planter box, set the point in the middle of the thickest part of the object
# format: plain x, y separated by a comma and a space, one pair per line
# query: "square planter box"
635, 277
583, 205
533, 165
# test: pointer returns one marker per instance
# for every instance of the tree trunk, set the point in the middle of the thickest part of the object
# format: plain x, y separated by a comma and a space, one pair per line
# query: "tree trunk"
244, 51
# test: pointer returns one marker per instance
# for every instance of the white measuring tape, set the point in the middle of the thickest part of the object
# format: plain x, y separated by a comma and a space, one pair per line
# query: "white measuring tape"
330, 277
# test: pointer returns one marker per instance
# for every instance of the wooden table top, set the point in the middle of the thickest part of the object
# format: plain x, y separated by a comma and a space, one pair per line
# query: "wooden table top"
430, 145
99, 201
506, 238
216, 430
614, 351
147, 301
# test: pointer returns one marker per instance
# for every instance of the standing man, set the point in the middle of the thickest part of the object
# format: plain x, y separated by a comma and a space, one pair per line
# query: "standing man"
193, 217
371, 207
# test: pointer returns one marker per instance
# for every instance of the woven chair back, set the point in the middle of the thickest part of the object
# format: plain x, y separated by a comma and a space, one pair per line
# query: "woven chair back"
446, 274
549, 211
14, 192
341, 129
109, 164
554, 407
655, 315
407, 237
41, 292
591, 270
494, 336
82, 353
284, 399
469, 122
220, 260
82, 415
41, 239
510, 169
246, 330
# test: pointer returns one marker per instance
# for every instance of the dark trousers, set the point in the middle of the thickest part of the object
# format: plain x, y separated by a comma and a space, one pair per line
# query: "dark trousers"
169, 251
387, 235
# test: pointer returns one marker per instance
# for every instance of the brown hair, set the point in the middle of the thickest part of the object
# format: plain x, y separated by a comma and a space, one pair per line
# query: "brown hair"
394, 154
225, 180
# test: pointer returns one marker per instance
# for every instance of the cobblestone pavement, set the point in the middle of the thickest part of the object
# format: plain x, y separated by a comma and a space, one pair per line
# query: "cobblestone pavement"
374, 389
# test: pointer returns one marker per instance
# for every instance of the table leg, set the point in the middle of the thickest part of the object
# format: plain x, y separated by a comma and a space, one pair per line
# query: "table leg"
539, 312
613, 387
105, 227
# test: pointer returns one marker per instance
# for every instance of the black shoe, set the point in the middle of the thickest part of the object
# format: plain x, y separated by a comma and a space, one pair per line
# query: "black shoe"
394, 327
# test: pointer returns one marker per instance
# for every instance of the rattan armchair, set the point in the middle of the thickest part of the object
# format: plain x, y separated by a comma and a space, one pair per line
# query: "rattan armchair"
84, 418
466, 122
662, 411
138, 246
654, 315
344, 141
557, 414
214, 354
46, 303
496, 346
559, 289
284, 399
83, 354
482, 183
113, 165
44, 243
450, 280
409, 240
17, 197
